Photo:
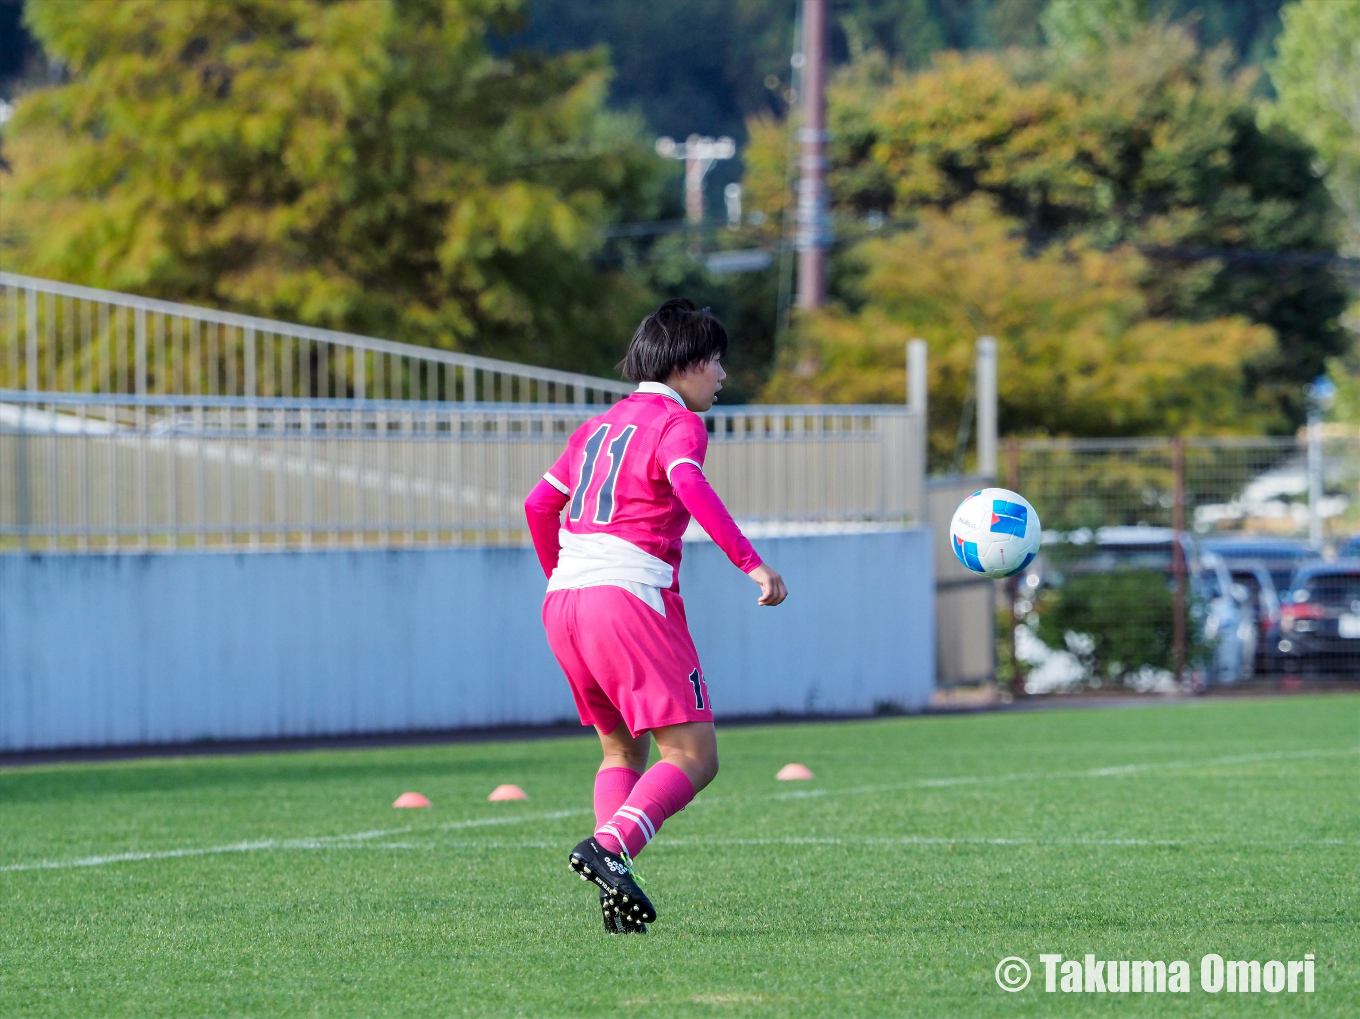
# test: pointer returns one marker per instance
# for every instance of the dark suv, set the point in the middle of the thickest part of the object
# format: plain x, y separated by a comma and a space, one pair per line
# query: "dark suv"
1319, 629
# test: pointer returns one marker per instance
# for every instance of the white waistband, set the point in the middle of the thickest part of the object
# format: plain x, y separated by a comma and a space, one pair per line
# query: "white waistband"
606, 560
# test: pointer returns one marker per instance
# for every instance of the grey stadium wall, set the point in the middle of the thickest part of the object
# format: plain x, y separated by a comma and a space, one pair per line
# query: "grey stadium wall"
107, 650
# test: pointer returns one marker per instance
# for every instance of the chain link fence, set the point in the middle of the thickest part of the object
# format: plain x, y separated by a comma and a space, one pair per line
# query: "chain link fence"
1186, 564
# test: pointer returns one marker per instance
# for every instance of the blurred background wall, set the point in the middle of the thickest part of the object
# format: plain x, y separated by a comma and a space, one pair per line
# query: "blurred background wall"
137, 649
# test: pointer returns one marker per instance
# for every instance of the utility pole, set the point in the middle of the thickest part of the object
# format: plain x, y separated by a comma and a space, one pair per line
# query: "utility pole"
1178, 556
1320, 396
699, 154
813, 219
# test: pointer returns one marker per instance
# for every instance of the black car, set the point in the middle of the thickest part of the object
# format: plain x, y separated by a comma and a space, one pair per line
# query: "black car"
1319, 631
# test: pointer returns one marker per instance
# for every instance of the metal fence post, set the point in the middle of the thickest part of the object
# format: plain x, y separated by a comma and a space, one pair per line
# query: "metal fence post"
1178, 554
1314, 478
986, 406
917, 382
1012, 585
918, 395
139, 360
21, 486
31, 347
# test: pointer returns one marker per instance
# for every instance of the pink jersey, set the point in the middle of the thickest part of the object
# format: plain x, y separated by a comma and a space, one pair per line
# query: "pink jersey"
618, 476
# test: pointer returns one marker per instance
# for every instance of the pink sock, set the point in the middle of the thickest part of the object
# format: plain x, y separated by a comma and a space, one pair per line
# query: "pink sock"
612, 786
662, 791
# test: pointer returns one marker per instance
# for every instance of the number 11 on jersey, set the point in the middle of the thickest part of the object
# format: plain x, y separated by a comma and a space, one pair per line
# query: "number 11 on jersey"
604, 499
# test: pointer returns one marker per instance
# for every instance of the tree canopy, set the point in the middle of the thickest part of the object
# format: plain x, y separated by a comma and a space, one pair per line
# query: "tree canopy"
368, 165
1079, 351
1151, 143
1317, 79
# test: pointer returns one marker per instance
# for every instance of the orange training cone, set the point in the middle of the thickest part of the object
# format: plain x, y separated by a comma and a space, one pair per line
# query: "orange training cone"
507, 792
793, 772
410, 800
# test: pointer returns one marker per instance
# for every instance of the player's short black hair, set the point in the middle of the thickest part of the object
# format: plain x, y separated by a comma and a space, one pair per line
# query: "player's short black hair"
678, 335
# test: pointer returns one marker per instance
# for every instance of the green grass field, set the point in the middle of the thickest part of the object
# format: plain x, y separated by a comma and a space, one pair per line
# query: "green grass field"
925, 851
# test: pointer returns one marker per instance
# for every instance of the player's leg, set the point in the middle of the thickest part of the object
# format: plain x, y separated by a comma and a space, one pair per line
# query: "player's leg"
663, 691
689, 761
622, 750
625, 756
625, 759
692, 747
646, 663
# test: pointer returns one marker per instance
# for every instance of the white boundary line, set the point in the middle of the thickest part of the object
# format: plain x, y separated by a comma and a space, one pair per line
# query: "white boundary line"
358, 840
906, 841
1117, 771
365, 839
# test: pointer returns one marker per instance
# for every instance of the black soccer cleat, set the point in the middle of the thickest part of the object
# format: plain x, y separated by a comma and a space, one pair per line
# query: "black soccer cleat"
614, 875
614, 923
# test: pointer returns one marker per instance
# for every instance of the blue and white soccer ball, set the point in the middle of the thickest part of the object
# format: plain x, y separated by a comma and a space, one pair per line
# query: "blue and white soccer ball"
995, 532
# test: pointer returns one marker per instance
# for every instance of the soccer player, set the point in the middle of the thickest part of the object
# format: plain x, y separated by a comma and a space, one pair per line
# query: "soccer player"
630, 480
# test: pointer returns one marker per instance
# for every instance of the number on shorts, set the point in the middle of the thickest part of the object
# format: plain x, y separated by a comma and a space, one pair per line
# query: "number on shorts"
604, 502
593, 444
697, 683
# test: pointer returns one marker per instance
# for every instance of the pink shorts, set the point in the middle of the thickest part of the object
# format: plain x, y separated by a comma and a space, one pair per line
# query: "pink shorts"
626, 662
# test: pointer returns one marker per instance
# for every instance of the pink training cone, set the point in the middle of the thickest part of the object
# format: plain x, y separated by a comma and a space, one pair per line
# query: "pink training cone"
507, 792
793, 772
410, 800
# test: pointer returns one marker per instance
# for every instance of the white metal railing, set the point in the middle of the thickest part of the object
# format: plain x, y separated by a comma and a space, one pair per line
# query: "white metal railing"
57, 337
88, 472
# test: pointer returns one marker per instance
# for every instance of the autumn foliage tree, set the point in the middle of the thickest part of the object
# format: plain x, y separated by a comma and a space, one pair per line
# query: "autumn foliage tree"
370, 165
1080, 353
1022, 188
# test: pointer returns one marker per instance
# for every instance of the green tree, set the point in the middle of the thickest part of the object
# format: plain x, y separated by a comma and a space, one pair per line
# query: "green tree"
368, 165
1154, 143
1316, 74
1078, 26
1079, 352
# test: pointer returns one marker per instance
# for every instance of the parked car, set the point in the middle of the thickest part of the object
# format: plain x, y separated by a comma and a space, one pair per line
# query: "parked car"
1281, 556
1229, 621
1319, 630
1264, 600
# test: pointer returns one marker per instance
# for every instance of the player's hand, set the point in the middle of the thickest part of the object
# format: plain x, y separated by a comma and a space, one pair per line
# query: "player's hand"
772, 589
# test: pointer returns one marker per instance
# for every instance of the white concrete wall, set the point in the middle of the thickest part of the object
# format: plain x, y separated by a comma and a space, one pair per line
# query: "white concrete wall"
127, 649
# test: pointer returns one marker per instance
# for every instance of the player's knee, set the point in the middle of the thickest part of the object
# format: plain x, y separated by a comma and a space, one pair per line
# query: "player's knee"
706, 768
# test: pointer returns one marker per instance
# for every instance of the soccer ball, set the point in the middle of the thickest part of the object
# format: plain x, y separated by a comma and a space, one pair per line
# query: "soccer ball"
995, 532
